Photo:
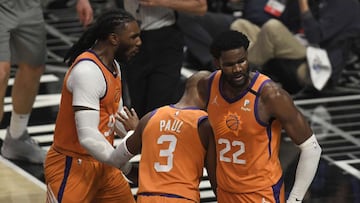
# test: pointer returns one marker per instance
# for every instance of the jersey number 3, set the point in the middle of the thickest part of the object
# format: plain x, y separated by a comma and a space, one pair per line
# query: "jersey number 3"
166, 153
227, 148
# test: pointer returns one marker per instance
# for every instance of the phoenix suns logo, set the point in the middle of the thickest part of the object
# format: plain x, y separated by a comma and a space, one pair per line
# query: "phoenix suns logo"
233, 123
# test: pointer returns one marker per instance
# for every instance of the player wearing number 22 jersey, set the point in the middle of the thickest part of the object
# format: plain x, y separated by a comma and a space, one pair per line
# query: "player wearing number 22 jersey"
247, 148
248, 112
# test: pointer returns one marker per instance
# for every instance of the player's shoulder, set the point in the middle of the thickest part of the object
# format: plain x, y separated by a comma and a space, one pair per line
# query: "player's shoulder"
273, 91
193, 113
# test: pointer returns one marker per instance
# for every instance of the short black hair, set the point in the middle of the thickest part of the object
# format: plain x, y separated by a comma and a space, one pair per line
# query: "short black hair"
228, 40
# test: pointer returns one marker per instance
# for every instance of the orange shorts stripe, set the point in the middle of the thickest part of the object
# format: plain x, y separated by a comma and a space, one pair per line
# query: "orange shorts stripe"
86, 181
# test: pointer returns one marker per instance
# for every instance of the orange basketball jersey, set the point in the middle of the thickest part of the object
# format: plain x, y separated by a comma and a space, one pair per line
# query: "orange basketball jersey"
172, 156
65, 135
247, 149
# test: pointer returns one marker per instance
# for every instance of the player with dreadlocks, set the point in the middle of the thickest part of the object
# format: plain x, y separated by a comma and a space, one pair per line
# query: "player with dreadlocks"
82, 164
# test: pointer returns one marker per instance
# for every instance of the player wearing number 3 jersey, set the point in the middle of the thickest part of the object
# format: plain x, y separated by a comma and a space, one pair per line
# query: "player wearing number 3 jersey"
174, 141
247, 112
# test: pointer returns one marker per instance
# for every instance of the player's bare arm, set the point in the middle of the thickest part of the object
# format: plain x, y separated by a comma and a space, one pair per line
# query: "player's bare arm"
208, 141
134, 142
203, 88
277, 103
131, 146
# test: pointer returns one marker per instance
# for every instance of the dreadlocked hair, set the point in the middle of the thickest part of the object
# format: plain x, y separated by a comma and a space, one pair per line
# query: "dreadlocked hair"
104, 25
228, 40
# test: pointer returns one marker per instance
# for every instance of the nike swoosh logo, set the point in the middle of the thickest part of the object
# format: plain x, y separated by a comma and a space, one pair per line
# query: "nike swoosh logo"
298, 200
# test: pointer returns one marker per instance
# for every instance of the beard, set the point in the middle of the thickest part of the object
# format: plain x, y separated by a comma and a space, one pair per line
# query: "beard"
120, 55
238, 84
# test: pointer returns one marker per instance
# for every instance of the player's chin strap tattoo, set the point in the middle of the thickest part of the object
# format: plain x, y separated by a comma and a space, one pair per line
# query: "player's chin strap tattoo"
306, 169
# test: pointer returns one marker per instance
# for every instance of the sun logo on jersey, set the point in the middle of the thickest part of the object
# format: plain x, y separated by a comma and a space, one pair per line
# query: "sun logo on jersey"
233, 123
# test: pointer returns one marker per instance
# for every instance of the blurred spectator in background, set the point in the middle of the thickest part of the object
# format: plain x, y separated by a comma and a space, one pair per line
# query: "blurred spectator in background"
83, 8
85, 12
200, 30
23, 43
153, 76
279, 46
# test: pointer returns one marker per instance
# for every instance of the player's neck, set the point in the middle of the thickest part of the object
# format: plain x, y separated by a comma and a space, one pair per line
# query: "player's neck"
189, 101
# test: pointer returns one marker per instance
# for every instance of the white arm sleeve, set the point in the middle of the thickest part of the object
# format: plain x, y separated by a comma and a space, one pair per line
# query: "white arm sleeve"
87, 84
306, 169
126, 167
94, 142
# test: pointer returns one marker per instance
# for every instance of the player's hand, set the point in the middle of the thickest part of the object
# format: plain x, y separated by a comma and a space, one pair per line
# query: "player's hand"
129, 118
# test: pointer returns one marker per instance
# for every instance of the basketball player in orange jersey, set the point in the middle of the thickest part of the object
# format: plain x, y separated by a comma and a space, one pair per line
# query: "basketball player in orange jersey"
247, 112
175, 141
82, 164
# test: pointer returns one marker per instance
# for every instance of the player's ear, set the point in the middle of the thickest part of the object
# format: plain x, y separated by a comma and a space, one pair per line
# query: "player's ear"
217, 63
114, 39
